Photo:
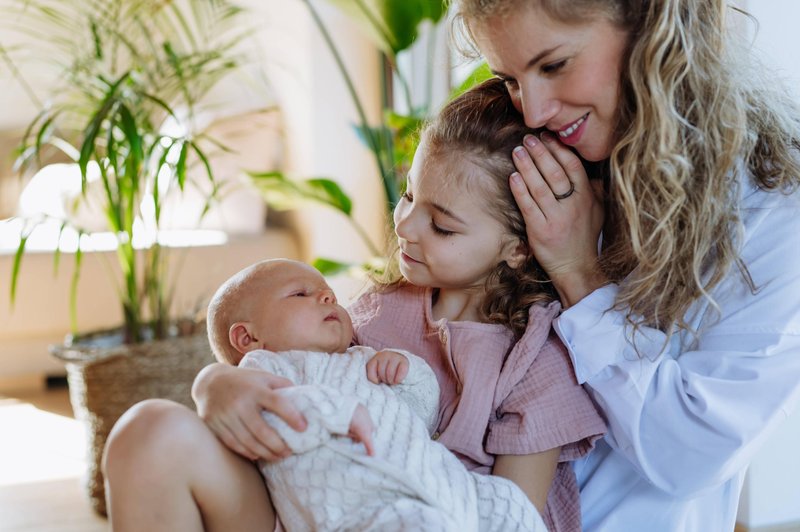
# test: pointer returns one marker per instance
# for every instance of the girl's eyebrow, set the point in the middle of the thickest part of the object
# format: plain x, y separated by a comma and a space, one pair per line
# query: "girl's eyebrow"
447, 212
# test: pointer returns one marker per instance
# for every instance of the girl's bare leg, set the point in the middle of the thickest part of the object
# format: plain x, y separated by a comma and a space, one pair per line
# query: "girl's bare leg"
166, 471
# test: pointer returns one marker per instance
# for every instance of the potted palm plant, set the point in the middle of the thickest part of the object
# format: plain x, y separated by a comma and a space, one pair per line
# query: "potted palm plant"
123, 109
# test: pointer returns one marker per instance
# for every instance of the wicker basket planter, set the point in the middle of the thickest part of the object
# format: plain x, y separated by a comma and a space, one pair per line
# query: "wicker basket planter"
105, 381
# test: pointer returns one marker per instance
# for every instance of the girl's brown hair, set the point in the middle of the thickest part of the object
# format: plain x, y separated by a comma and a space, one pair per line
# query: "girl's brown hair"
482, 127
693, 116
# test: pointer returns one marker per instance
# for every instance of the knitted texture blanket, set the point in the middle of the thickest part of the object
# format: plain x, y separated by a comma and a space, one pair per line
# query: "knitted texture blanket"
412, 482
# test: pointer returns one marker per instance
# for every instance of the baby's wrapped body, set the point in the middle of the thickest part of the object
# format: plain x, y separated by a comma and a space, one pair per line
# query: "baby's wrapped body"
411, 483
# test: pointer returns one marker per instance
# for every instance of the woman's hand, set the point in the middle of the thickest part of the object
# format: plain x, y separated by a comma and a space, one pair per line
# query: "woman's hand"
230, 400
563, 223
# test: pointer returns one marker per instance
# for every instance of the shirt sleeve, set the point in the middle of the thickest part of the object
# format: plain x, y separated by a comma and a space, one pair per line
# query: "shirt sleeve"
546, 409
691, 413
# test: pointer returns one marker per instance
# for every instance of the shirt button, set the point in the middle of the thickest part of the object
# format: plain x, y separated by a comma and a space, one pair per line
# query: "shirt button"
435, 435
443, 335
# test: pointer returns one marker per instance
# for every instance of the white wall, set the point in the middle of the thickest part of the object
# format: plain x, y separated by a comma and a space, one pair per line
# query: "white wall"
776, 38
319, 116
771, 494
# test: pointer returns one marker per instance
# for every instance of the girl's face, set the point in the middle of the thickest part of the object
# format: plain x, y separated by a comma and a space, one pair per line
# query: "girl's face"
564, 77
447, 236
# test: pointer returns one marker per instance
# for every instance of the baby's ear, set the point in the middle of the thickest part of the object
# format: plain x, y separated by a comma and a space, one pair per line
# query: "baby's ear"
515, 253
241, 338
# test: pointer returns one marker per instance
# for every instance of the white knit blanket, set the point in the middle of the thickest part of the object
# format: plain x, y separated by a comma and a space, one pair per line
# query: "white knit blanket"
411, 484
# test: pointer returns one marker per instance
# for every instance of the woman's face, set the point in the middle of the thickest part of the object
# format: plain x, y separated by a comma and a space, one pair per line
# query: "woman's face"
561, 76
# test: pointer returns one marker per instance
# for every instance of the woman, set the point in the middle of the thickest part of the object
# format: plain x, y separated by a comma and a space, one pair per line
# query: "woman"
684, 326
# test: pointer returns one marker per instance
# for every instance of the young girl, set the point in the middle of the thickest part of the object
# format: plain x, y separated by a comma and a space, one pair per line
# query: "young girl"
472, 302
476, 306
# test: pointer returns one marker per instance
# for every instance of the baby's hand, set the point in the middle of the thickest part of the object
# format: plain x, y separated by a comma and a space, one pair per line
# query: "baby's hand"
361, 428
387, 367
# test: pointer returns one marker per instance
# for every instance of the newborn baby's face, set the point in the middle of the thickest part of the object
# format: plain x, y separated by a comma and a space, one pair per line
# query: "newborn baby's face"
298, 310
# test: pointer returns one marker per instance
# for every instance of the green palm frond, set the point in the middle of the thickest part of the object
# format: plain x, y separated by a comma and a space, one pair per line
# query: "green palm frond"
123, 69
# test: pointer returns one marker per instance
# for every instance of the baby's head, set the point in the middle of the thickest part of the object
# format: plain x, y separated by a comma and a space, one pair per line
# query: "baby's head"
278, 305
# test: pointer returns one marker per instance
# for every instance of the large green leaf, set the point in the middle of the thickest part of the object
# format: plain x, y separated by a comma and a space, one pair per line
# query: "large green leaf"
374, 265
283, 193
480, 73
330, 266
392, 24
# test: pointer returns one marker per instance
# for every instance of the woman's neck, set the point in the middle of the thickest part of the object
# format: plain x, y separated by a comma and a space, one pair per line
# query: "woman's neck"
458, 304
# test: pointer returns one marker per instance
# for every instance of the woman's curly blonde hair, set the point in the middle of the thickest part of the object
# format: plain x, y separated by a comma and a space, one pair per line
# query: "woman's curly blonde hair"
482, 127
695, 114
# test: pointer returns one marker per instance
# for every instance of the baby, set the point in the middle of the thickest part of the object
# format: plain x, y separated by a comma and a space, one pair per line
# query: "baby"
346, 473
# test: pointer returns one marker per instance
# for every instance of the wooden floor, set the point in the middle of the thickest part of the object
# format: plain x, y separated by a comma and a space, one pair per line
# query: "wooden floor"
41, 462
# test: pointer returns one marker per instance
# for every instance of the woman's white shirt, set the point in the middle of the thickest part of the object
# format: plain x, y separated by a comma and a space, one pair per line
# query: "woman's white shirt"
686, 419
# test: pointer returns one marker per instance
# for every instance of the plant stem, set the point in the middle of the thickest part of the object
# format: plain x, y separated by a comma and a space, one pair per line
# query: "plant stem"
20, 78
393, 45
373, 142
365, 237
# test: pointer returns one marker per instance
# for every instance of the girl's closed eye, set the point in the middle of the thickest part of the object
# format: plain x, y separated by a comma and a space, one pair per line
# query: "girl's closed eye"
407, 196
440, 230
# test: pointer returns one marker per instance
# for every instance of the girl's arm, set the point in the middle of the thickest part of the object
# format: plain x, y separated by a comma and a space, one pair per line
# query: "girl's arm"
533, 473
230, 400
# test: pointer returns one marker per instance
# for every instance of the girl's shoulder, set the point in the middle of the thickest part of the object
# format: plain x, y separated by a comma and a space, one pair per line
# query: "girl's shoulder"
538, 338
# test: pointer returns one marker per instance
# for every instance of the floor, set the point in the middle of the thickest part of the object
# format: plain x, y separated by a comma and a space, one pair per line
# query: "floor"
41, 462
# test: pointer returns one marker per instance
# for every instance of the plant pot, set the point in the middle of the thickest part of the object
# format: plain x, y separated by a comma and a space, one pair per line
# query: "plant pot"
106, 380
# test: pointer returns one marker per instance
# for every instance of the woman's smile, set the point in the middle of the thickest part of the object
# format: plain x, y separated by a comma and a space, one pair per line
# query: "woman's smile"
571, 134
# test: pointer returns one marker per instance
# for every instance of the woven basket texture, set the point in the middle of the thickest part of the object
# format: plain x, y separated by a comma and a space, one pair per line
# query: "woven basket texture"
105, 382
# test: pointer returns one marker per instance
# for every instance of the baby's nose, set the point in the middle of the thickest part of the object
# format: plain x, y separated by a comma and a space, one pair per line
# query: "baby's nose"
328, 296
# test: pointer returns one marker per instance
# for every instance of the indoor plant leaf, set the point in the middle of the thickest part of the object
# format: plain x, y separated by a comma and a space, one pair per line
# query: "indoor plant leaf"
392, 24
284, 193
